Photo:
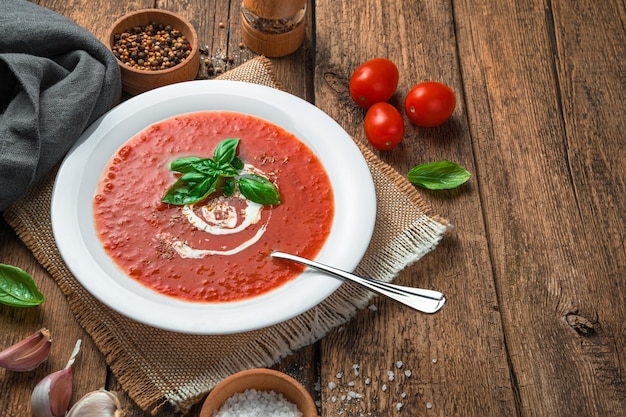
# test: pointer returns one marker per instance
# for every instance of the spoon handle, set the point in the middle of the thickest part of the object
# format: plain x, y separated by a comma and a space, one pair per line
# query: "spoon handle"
426, 301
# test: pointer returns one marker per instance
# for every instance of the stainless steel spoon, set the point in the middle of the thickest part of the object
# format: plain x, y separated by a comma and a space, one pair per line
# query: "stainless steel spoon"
426, 301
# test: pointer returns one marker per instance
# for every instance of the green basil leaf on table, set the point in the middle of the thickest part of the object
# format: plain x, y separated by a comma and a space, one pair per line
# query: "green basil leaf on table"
17, 288
259, 190
442, 175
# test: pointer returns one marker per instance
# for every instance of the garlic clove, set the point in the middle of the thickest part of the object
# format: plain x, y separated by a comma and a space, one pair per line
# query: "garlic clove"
100, 403
27, 354
51, 396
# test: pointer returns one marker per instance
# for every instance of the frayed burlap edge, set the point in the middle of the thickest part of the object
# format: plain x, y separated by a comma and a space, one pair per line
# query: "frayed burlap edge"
140, 356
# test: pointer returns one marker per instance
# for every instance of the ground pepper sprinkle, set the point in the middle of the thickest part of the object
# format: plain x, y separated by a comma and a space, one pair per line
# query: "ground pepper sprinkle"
151, 47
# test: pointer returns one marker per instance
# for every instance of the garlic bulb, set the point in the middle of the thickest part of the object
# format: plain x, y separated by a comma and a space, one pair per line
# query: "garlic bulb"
27, 354
51, 396
101, 403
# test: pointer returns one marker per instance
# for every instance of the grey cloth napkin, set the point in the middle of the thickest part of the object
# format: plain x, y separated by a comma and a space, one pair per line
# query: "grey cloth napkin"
56, 78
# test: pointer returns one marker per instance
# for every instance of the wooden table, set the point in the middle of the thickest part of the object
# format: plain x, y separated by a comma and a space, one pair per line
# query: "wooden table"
535, 269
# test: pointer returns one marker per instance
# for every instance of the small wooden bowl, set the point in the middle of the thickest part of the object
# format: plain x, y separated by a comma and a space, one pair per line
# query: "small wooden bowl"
260, 379
136, 81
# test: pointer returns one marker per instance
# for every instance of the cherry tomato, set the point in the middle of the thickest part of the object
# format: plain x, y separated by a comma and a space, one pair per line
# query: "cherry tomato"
429, 104
384, 126
374, 81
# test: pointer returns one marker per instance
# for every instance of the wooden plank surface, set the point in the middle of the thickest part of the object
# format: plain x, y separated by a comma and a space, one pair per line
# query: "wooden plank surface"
548, 86
464, 342
535, 267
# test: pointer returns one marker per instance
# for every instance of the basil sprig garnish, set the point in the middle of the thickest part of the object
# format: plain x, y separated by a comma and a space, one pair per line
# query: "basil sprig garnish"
200, 177
442, 175
17, 288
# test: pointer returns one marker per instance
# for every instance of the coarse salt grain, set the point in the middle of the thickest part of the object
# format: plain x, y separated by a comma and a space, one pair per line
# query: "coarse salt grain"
254, 403
429, 405
391, 375
399, 364
407, 373
399, 406
332, 385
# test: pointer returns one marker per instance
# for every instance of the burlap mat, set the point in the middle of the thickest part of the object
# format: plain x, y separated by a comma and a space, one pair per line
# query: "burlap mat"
158, 367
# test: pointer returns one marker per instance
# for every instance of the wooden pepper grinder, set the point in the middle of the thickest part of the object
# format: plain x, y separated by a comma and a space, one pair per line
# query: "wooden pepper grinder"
273, 28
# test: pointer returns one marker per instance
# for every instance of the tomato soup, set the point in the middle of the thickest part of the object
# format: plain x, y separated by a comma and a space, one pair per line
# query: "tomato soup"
216, 250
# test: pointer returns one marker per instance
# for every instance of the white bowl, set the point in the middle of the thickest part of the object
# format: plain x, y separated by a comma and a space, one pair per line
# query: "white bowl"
75, 234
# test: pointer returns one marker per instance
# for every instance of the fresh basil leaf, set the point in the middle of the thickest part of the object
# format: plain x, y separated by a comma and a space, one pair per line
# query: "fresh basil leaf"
178, 192
202, 190
225, 151
237, 163
17, 288
186, 164
442, 175
229, 186
259, 190
193, 176
207, 166
226, 170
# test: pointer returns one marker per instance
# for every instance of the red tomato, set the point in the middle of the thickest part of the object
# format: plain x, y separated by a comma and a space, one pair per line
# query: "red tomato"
384, 126
373, 82
429, 104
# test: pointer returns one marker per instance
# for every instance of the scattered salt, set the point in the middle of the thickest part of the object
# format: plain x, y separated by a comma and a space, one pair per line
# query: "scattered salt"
407, 373
332, 385
367, 381
399, 364
384, 387
351, 383
356, 369
253, 403
339, 375
429, 405
391, 375
434, 360
372, 307
399, 406
403, 395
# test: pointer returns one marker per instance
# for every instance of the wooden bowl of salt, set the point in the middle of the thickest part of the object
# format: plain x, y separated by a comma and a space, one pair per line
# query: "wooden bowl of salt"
262, 392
